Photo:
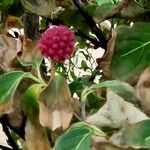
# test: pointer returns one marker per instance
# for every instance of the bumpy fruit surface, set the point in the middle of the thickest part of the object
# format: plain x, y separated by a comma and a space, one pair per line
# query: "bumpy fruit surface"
57, 43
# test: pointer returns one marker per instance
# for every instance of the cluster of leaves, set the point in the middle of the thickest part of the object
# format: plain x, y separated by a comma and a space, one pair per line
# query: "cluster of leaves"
71, 109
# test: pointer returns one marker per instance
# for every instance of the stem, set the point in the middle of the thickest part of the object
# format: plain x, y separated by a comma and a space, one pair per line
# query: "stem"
91, 23
83, 110
36, 79
52, 69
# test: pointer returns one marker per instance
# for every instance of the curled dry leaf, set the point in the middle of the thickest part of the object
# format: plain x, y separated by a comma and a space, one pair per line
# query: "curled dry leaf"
36, 137
143, 90
116, 113
27, 49
6, 108
13, 22
8, 52
105, 61
56, 104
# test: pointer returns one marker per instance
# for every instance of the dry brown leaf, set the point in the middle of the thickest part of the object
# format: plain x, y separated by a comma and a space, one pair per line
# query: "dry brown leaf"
105, 61
116, 113
143, 90
56, 104
8, 52
36, 137
27, 49
13, 22
6, 108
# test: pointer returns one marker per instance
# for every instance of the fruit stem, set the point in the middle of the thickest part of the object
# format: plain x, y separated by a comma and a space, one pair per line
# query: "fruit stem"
52, 71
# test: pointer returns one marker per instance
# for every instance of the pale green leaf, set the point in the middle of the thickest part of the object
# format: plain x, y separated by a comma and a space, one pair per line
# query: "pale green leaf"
121, 88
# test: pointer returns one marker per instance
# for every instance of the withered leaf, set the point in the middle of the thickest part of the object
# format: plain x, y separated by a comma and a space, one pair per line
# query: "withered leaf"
6, 108
105, 61
55, 104
8, 52
143, 90
27, 50
36, 137
116, 113
14, 22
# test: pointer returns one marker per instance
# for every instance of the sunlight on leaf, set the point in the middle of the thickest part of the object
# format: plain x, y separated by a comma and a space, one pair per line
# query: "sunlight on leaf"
116, 113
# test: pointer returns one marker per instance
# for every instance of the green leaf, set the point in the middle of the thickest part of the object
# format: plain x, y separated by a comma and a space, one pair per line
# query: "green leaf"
78, 22
78, 137
39, 7
135, 135
16, 9
121, 88
104, 7
5, 4
132, 51
84, 65
77, 86
9, 83
30, 105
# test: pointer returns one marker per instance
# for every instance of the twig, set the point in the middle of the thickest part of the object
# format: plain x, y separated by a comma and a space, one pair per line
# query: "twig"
5, 148
77, 117
10, 139
83, 111
91, 23
95, 42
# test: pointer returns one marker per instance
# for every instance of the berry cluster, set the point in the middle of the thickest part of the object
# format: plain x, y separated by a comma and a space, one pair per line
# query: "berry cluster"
57, 43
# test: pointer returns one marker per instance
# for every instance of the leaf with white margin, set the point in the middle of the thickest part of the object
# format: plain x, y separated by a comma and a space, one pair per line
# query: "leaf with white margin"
78, 137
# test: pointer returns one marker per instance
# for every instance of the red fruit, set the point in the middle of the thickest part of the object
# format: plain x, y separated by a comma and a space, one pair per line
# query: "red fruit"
57, 43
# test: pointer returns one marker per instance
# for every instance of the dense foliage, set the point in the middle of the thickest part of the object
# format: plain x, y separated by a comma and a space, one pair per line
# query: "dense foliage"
90, 86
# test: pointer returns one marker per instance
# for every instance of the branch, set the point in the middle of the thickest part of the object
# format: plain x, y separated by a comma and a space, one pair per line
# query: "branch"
10, 139
91, 23
95, 42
